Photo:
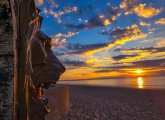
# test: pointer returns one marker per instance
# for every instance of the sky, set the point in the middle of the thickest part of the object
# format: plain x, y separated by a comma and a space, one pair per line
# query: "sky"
98, 39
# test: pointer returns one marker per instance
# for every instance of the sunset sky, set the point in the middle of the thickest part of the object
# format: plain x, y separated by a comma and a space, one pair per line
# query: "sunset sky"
106, 38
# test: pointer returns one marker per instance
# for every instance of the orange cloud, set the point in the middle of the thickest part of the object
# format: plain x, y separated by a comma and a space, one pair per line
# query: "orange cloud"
142, 10
160, 21
86, 73
146, 11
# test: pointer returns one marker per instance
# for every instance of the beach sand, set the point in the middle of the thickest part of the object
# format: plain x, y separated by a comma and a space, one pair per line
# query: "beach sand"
110, 103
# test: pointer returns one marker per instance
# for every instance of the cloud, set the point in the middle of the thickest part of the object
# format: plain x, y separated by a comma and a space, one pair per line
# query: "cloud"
161, 43
57, 14
59, 39
70, 9
160, 21
74, 63
58, 43
154, 67
123, 35
96, 21
147, 49
127, 4
39, 2
45, 11
119, 33
104, 19
144, 24
53, 4
81, 49
146, 11
142, 10
120, 57
150, 63
70, 34
120, 36
104, 71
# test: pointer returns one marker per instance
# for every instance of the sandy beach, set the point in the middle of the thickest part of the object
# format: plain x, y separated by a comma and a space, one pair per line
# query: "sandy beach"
110, 103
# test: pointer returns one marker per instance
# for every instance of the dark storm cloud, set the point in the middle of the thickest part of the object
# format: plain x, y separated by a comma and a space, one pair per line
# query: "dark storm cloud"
120, 57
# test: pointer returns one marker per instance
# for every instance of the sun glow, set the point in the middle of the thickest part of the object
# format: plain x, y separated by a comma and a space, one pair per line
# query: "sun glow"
140, 82
138, 71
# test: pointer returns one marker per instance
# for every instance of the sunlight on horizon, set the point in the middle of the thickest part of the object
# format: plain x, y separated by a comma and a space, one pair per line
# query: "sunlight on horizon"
139, 71
140, 82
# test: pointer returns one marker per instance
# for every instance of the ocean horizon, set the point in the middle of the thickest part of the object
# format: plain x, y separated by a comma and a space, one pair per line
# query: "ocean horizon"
138, 82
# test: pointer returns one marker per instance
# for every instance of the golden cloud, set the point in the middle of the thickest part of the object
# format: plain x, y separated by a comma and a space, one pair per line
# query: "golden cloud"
86, 73
126, 4
56, 40
160, 21
161, 43
106, 22
144, 24
58, 43
124, 35
142, 10
146, 11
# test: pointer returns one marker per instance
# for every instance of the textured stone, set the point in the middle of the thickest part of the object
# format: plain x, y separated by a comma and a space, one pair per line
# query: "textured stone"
6, 61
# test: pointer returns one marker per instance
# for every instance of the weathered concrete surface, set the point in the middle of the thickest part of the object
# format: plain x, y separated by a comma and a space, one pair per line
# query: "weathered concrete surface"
58, 100
6, 61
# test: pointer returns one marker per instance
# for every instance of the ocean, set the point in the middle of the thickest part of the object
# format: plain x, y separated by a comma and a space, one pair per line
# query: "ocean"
139, 82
